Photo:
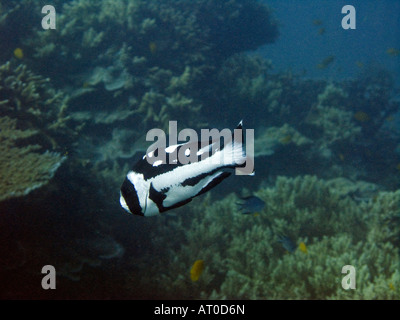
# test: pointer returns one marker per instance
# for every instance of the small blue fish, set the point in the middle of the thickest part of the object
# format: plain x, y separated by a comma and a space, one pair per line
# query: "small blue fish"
287, 243
251, 204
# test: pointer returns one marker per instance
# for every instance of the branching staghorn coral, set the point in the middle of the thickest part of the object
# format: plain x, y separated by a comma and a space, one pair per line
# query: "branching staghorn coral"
331, 117
244, 84
31, 99
270, 139
245, 260
153, 47
317, 274
169, 36
371, 95
324, 113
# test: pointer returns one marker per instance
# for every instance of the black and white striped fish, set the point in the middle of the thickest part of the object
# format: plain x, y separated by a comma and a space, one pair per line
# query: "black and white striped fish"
153, 187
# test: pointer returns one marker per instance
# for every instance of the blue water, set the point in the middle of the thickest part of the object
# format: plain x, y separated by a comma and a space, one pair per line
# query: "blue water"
300, 48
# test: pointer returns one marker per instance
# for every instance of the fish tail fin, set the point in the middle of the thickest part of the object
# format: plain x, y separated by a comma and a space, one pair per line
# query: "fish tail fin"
234, 152
244, 163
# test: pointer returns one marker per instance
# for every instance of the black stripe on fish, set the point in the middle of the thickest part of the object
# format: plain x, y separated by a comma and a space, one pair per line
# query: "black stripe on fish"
190, 179
179, 204
159, 197
149, 171
217, 180
129, 193
195, 180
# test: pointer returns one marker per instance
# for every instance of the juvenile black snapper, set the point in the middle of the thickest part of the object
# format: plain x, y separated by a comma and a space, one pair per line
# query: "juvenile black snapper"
153, 187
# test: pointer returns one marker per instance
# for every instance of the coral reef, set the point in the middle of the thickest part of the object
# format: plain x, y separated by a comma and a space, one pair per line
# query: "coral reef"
244, 84
120, 68
30, 98
12, 31
272, 138
168, 61
156, 68
33, 131
340, 120
244, 260
329, 116
23, 169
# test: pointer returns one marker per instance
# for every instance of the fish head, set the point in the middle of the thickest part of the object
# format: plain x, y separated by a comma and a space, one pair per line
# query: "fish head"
133, 209
129, 197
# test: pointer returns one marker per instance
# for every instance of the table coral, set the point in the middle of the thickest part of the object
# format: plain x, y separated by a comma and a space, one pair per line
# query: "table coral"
33, 130
23, 169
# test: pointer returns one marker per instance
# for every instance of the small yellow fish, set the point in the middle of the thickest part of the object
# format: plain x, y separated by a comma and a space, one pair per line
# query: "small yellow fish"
391, 286
389, 119
326, 62
361, 116
196, 270
359, 64
18, 53
393, 52
341, 156
286, 139
321, 31
398, 166
303, 247
317, 22
152, 47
